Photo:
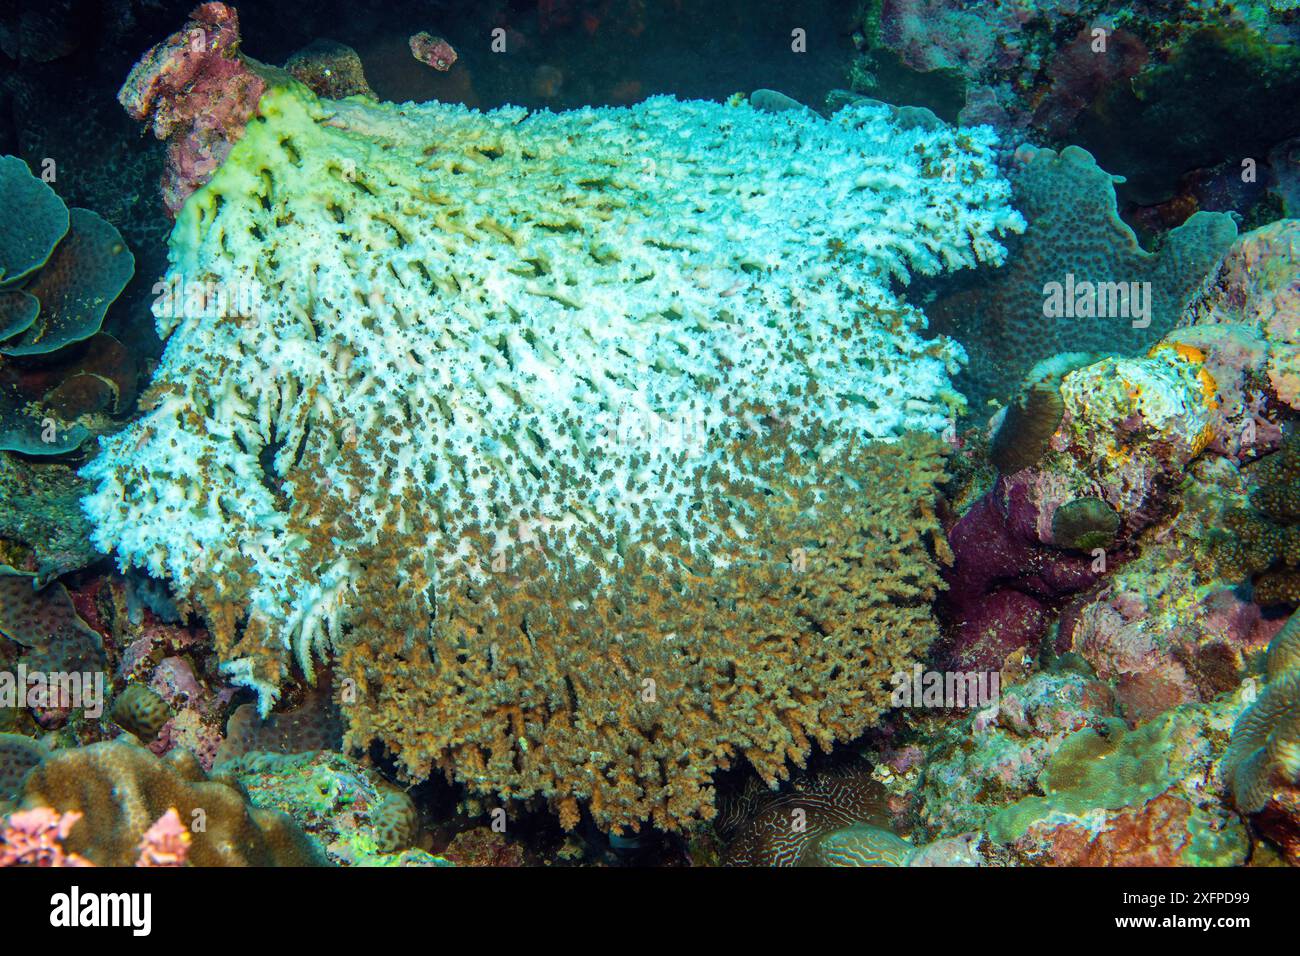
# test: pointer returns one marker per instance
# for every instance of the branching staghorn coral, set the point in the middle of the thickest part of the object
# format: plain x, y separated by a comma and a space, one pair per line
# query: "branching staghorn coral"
580, 441
629, 694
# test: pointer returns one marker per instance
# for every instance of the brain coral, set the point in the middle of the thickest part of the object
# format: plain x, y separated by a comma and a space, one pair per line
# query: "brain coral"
574, 438
786, 828
1264, 755
60, 270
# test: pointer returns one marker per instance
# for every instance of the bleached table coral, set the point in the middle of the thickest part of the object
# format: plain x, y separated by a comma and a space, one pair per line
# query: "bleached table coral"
475, 382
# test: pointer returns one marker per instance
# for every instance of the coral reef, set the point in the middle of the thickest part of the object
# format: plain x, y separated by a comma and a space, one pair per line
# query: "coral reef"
754, 631
195, 92
121, 790
332, 70
51, 525
630, 434
1121, 681
1055, 780
60, 270
1263, 539
1099, 449
67, 299
1080, 73
859, 845
1262, 763
1128, 799
1114, 297
575, 488
1165, 830
974, 767
1120, 79
94, 628
1166, 628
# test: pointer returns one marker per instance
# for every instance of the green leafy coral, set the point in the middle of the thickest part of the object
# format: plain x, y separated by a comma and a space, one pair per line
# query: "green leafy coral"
1094, 769
60, 270
1074, 230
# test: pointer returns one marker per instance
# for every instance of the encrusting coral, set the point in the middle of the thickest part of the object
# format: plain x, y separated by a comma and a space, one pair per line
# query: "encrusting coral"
1104, 279
46, 624
580, 441
141, 712
60, 270
51, 522
18, 755
121, 790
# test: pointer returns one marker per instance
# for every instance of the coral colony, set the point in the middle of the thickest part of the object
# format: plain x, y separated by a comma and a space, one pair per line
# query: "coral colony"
513, 449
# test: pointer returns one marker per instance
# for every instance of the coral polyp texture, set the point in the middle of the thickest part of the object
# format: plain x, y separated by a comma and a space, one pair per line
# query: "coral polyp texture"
592, 446
60, 270
1110, 295
1264, 755
122, 791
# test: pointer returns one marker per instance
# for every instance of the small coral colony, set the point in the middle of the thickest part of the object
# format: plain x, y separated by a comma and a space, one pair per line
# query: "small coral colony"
896, 468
